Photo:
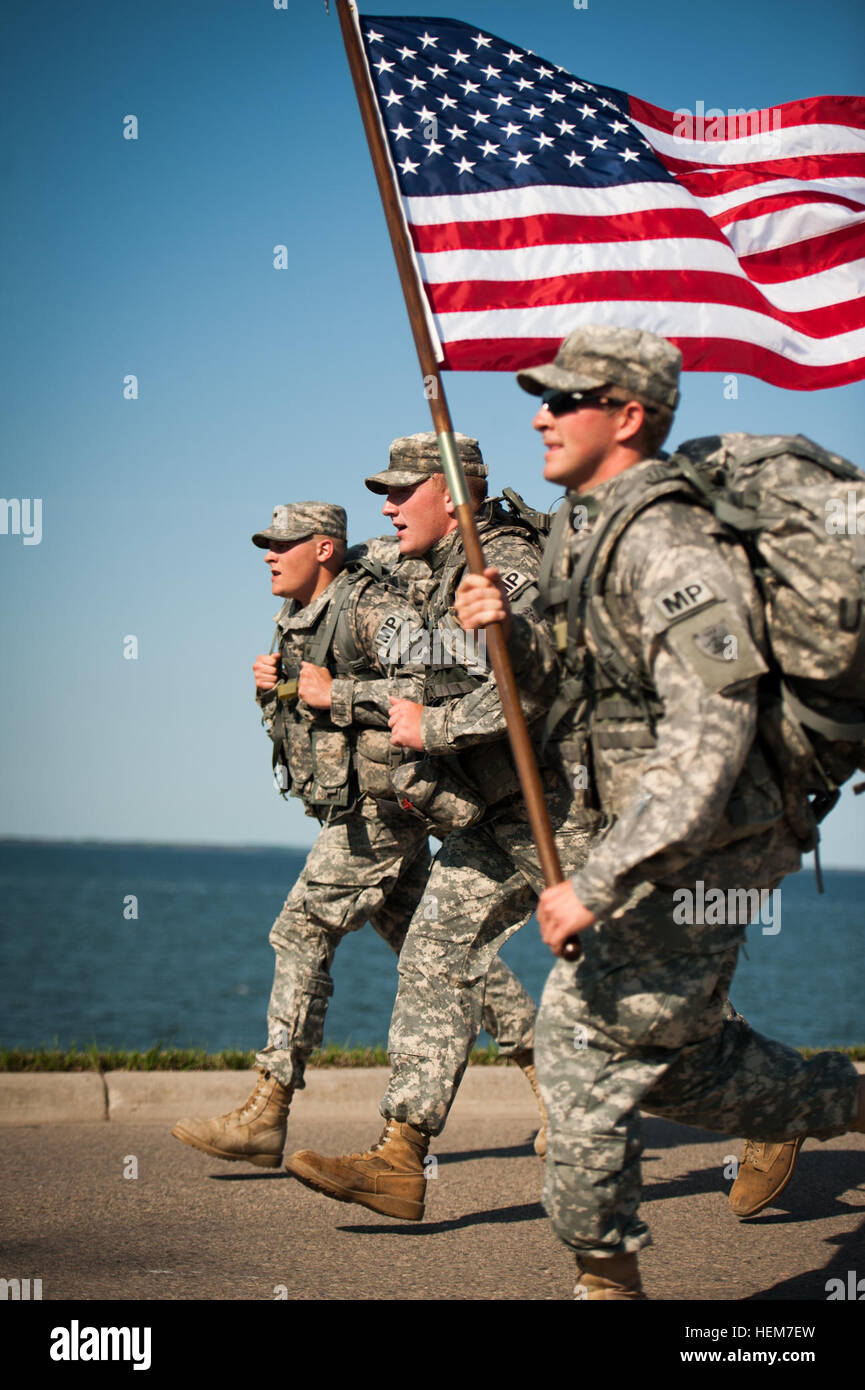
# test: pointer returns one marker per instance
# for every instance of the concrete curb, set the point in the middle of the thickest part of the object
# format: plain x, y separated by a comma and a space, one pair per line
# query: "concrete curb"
54, 1097
162, 1097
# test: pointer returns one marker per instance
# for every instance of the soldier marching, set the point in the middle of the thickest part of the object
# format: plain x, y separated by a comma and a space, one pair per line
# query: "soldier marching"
639, 643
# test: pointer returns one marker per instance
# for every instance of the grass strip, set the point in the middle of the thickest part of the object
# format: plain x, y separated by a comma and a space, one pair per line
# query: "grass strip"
159, 1058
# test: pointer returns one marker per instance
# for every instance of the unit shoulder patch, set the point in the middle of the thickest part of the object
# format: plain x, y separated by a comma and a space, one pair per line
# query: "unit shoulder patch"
719, 649
717, 642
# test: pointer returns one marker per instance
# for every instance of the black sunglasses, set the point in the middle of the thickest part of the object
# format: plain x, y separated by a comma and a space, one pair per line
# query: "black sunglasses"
563, 402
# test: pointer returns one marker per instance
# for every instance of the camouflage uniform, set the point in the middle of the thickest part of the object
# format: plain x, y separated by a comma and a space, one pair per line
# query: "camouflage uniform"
371, 860
485, 880
641, 1020
483, 887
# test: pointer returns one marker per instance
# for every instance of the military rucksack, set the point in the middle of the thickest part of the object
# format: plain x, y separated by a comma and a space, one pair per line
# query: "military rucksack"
798, 511
538, 523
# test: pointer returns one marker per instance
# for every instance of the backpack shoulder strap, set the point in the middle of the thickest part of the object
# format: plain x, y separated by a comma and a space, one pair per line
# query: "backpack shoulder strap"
552, 591
319, 644
658, 480
363, 572
360, 571
353, 658
358, 562
588, 579
585, 607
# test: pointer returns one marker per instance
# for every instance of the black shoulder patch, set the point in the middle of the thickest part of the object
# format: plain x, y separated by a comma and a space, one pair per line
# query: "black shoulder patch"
514, 580
687, 598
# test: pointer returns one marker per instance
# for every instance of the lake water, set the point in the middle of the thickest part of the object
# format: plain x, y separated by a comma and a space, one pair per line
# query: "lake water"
194, 969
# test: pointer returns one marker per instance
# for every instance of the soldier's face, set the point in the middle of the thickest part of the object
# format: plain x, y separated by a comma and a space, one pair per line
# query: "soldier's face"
421, 515
294, 568
577, 444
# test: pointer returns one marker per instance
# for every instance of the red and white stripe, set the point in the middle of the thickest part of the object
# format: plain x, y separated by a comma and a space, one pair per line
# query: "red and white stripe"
753, 261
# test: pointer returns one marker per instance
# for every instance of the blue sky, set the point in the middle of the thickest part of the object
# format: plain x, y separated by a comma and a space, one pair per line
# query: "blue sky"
256, 386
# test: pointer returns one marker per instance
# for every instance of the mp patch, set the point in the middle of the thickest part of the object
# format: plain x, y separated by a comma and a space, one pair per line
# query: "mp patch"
513, 581
690, 596
388, 630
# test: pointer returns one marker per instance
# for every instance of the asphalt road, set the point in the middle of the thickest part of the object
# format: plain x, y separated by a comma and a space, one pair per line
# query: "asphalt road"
191, 1227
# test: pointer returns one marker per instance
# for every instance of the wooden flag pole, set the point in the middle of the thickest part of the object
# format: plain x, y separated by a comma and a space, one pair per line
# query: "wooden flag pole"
524, 759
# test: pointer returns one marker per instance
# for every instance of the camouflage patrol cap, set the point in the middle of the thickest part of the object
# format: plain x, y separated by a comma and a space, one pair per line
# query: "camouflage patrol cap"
414, 457
297, 520
602, 355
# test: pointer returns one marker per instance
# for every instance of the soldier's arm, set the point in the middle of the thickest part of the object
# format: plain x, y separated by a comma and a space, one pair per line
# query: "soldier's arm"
477, 717
386, 628
533, 653
704, 664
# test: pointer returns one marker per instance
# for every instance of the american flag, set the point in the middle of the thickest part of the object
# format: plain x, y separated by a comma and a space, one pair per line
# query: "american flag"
537, 202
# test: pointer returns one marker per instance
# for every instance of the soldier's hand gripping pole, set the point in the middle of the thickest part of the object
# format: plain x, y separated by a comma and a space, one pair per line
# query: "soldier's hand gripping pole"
524, 760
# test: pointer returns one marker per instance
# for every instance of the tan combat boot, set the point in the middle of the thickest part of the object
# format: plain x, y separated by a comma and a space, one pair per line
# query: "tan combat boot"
388, 1178
616, 1278
253, 1133
526, 1062
763, 1174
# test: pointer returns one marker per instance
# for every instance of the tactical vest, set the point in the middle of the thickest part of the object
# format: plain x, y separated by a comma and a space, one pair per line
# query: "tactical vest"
330, 767
312, 758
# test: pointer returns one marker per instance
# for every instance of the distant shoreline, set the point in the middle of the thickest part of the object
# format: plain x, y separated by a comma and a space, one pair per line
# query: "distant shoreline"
246, 847
87, 842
